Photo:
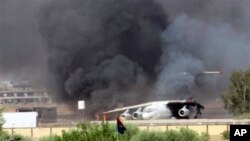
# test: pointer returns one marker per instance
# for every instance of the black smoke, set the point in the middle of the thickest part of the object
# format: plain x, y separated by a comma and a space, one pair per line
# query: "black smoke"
111, 51
102, 45
22, 52
203, 35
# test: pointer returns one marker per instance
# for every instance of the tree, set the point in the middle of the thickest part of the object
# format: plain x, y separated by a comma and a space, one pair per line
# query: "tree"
237, 97
1, 119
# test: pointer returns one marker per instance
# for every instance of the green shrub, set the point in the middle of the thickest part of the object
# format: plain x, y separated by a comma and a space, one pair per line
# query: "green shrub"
87, 132
19, 138
181, 135
4, 136
94, 132
190, 135
1, 119
204, 136
129, 133
149, 136
226, 134
107, 132
243, 116
51, 138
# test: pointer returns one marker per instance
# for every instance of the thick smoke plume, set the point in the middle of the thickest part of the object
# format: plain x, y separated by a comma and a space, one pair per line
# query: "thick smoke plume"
22, 52
110, 51
102, 49
203, 35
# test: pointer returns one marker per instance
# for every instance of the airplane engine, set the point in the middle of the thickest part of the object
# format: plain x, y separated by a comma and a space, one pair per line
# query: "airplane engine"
183, 112
125, 116
137, 115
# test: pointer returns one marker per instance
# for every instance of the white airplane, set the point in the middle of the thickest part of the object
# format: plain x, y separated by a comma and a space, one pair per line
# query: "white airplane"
178, 109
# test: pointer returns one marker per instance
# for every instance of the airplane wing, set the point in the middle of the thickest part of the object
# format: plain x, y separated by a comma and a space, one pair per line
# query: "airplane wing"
128, 107
141, 106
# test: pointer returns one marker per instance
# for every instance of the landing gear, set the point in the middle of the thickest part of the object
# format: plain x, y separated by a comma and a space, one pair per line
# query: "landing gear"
198, 112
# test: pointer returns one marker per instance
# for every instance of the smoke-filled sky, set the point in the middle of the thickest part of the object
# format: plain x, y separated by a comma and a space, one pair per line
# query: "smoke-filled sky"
110, 51
22, 52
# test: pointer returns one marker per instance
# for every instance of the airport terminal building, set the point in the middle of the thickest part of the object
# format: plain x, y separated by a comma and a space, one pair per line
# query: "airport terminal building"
21, 93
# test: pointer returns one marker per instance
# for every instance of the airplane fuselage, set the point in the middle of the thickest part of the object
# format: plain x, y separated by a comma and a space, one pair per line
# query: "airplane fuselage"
156, 111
